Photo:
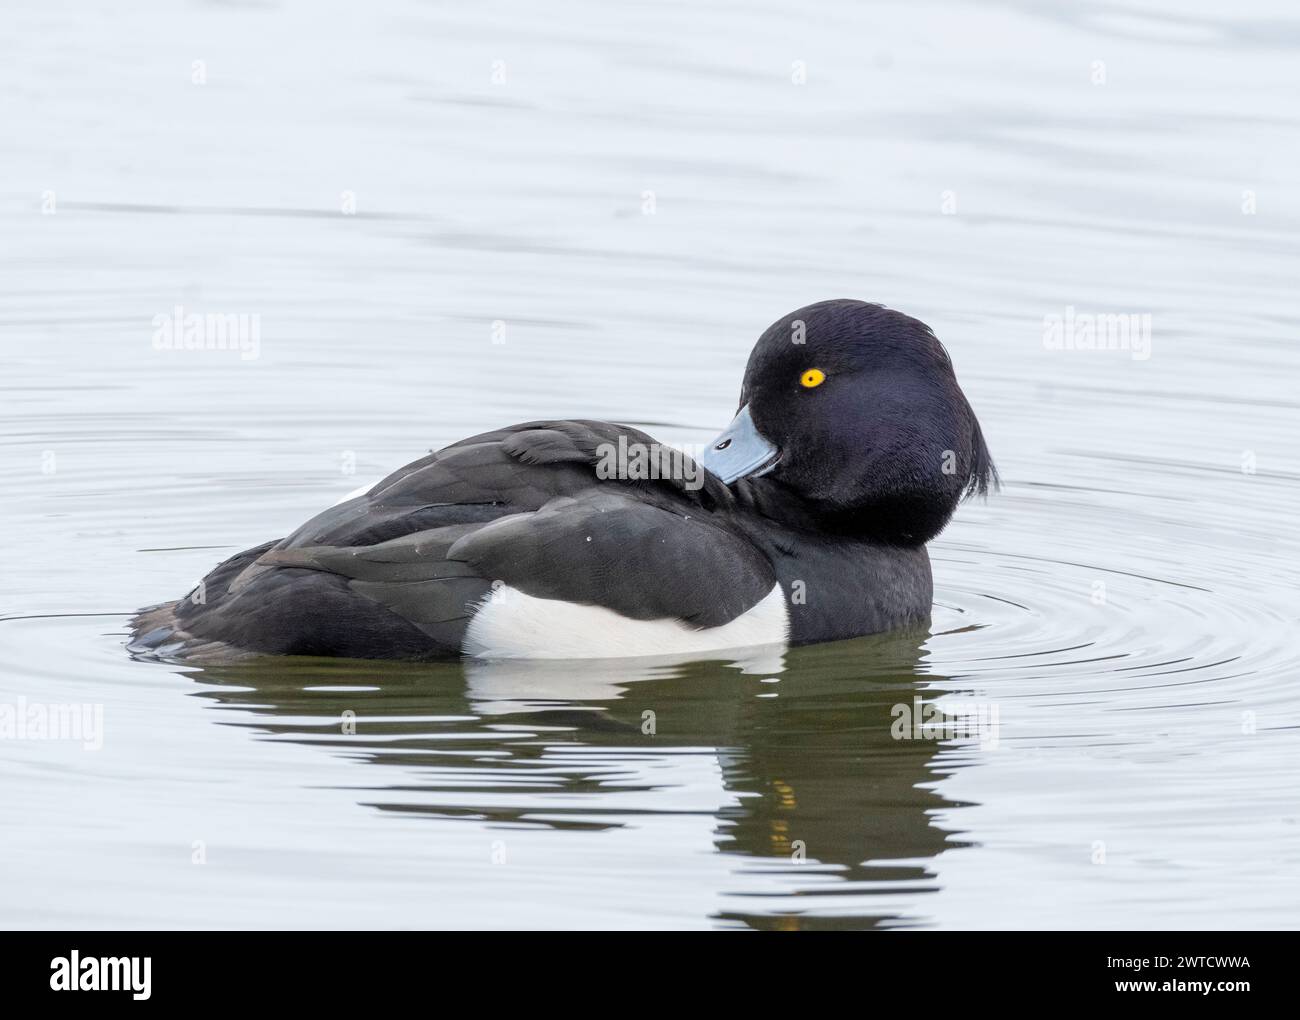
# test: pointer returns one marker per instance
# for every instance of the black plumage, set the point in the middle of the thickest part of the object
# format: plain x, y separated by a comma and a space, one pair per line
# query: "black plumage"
872, 463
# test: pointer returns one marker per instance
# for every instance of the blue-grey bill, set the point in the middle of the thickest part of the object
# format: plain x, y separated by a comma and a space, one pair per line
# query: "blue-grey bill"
740, 451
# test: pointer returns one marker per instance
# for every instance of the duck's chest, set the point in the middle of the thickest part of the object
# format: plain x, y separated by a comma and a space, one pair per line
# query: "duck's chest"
844, 588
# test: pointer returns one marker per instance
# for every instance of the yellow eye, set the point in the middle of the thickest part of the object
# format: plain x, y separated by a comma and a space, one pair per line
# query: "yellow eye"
813, 377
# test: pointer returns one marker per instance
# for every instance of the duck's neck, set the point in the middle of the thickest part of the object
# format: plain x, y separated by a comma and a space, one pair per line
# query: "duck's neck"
901, 519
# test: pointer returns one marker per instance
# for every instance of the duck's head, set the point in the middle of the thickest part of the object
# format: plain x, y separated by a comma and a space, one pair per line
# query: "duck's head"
852, 410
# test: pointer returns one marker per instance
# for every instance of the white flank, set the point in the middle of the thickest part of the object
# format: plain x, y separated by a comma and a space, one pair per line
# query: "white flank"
512, 625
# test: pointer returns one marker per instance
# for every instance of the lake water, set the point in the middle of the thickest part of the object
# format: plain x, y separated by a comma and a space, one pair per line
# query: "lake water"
450, 219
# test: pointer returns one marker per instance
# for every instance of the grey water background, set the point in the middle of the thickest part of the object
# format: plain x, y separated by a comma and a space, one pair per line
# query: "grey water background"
582, 209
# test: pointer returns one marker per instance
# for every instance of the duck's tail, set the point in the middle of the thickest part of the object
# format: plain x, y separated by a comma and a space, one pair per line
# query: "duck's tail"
164, 631
157, 633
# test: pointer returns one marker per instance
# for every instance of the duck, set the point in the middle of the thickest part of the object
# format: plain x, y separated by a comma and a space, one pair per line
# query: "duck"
806, 520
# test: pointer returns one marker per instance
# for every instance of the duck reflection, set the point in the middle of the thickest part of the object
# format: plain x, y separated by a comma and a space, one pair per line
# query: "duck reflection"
795, 746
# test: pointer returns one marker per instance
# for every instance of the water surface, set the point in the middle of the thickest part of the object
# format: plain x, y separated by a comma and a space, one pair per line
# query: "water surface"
447, 219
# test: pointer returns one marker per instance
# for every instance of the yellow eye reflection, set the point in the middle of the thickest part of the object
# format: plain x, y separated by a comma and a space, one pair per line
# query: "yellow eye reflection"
812, 377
